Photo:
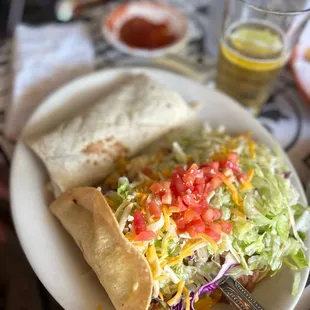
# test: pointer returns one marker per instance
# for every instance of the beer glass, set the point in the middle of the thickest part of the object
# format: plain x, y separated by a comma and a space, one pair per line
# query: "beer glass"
256, 41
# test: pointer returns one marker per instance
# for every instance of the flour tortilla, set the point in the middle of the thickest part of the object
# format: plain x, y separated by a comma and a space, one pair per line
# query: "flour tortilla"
121, 269
84, 150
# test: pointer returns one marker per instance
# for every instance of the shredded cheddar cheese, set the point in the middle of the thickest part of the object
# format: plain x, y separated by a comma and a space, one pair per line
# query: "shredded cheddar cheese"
144, 186
209, 240
237, 199
225, 150
188, 250
233, 143
252, 147
175, 299
190, 246
164, 249
174, 209
166, 217
153, 260
141, 197
129, 236
251, 174
161, 278
175, 260
237, 213
161, 233
187, 299
247, 184
163, 263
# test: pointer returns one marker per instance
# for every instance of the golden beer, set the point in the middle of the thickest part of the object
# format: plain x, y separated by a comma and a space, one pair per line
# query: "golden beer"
251, 55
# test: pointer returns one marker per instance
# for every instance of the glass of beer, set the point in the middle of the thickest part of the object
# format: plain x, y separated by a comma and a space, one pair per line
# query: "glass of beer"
256, 42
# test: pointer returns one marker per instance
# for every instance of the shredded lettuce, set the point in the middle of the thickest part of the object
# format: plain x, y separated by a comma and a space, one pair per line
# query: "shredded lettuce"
268, 231
179, 153
296, 283
123, 187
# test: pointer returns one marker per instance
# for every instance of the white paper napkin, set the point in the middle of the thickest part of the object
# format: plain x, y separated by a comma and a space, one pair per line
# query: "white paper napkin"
44, 58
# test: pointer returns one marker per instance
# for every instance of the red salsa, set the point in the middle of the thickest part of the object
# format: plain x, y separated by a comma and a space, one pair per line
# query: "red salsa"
142, 33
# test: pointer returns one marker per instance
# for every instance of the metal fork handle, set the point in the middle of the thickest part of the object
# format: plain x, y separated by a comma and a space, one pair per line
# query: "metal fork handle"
238, 296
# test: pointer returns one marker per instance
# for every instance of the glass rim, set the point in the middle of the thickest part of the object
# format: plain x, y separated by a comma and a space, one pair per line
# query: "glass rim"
276, 12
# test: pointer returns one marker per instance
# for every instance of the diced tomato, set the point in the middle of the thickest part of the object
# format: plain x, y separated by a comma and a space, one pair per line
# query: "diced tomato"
191, 230
216, 214
199, 174
209, 172
233, 157
154, 209
190, 174
222, 163
196, 226
200, 180
166, 185
212, 234
177, 184
234, 167
227, 172
214, 165
216, 227
167, 198
226, 227
197, 196
208, 188
180, 170
156, 188
180, 223
216, 182
242, 177
145, 236
199, 210
190, 201
189, 187
208, 215
139, 222
179, 204
199, 188
190, 215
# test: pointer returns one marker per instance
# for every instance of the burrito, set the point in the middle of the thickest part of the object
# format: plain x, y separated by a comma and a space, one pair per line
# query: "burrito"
85, 149
184, 216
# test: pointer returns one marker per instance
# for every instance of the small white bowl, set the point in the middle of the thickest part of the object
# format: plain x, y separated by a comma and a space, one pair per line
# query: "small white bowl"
154, 12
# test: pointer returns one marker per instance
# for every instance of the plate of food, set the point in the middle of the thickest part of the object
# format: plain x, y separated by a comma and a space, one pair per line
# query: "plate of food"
142, 189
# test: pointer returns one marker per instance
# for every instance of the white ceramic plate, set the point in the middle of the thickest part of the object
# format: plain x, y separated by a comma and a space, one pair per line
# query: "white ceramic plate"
53, 255
304, 301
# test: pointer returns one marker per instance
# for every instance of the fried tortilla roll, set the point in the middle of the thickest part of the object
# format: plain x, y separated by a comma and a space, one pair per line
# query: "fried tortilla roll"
120, 267
84, 150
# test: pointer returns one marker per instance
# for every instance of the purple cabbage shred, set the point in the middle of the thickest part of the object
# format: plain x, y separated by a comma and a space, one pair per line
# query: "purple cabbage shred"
179, 306
230, 262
